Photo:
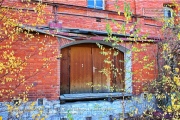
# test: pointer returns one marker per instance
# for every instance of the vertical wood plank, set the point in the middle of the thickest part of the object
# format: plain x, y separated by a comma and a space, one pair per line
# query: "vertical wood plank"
80, 69
119, 79
100, 80
64, 77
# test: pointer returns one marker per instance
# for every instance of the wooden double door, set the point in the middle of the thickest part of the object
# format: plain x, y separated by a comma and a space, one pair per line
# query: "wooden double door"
85, 68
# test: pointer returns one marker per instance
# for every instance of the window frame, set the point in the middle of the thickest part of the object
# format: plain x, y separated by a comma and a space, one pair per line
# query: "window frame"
168, 9
167, 18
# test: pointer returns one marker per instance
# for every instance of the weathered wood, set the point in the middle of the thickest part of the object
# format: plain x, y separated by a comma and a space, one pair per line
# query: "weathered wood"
81, 66
120, 76
80, 69
100, 80
64, 80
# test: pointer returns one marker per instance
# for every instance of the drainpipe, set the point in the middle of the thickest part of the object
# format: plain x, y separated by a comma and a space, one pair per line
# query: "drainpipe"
59, 63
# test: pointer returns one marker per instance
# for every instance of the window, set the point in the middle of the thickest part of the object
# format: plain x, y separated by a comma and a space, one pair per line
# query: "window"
97, 4
168, 12
168, 16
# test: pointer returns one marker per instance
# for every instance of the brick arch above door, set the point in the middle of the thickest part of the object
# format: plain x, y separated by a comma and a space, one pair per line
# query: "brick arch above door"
118, 47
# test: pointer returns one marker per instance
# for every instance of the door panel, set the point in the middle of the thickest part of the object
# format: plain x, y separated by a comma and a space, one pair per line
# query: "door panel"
101, 82
80, 70
64, 81
119, 79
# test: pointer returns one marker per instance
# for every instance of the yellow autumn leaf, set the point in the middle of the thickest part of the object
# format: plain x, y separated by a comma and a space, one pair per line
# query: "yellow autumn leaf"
165, 46
174, 100
119, 13
178, 36
177, 80
177, 70
167, 67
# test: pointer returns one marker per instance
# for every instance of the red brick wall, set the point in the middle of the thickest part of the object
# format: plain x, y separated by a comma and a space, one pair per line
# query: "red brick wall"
144, 65
46, 81
38, 73
46, 78
82, 18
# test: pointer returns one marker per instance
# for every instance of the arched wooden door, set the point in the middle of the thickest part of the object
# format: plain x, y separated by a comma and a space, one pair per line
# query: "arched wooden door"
81, 67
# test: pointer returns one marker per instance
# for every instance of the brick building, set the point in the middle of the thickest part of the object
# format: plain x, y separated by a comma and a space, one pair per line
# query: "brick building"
72, 28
